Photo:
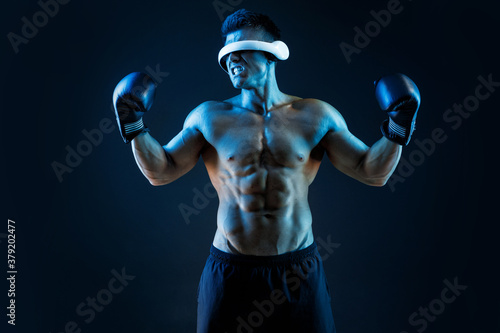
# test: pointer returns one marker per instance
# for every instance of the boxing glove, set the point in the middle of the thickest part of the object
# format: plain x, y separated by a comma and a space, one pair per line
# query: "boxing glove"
398, 95
132, 97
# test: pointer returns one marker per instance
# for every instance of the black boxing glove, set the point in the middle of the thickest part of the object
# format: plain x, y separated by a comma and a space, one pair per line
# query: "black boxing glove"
398, 95
132, 97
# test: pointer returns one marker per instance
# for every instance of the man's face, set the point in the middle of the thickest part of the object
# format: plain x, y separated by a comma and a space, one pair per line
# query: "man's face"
247, 69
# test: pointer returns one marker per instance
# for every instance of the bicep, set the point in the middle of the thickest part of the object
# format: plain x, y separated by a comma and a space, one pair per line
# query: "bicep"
184, 150
345, 151
185, 147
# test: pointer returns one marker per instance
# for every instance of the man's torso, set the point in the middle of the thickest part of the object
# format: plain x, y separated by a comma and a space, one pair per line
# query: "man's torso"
261, 167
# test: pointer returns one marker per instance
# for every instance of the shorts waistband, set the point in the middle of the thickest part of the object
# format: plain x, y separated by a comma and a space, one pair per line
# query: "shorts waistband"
288, 257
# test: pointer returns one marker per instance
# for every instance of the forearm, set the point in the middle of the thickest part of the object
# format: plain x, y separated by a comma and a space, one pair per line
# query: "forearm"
151, 159
379, 162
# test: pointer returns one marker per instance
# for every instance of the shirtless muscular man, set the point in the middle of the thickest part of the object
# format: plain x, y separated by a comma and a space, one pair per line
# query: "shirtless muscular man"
262, 150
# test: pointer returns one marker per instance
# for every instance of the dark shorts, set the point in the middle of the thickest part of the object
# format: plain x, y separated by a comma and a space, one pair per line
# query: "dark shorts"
257, 294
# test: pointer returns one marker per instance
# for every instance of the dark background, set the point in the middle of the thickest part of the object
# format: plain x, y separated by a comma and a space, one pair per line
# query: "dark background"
397, 245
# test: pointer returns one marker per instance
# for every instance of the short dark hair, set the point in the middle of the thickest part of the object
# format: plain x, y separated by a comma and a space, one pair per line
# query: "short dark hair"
244, 18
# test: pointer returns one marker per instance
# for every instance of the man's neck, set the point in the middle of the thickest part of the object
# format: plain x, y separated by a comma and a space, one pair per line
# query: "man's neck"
264, 98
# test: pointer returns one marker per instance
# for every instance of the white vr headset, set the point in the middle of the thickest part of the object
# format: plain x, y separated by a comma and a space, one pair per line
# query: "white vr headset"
276, 48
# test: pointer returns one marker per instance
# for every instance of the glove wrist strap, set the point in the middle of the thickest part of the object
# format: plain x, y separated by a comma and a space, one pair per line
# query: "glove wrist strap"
394, 132
133, 127
131, 130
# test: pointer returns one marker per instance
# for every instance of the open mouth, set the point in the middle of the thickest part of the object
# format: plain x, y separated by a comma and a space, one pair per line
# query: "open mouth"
237, 70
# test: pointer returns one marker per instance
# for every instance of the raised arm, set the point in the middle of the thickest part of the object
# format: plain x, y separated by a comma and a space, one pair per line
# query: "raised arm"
370, 165
399, 97
132, 97
164, 164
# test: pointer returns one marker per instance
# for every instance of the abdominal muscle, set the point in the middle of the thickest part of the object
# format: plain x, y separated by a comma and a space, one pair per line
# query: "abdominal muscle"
263, 211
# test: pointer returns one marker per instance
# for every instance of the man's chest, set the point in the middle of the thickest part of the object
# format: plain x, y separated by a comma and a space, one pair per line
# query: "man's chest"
277, 138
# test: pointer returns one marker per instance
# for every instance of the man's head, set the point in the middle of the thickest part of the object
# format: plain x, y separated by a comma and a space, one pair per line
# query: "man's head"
248, 64
246, 19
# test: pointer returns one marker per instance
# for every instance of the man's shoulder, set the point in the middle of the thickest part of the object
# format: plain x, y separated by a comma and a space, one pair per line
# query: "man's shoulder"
211, 106
322, 113
316, 106
205, 111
